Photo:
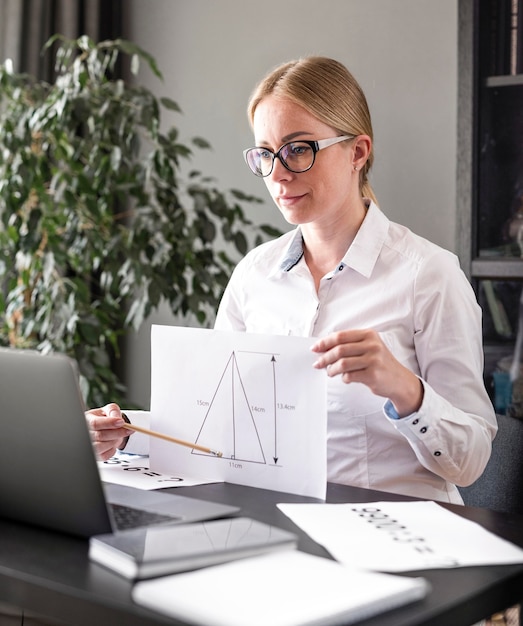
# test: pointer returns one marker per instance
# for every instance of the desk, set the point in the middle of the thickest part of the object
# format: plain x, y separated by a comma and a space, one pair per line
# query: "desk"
50, 574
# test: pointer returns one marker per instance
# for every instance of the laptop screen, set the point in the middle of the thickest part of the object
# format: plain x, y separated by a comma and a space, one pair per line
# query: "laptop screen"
48, 471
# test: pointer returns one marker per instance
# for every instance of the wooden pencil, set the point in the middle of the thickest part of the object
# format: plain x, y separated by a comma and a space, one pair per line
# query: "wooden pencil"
180, 442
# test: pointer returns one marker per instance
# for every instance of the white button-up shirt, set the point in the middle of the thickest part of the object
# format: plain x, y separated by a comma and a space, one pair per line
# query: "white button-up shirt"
415, 295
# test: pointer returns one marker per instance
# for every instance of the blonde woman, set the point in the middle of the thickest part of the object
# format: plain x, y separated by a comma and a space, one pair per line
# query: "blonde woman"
397, 322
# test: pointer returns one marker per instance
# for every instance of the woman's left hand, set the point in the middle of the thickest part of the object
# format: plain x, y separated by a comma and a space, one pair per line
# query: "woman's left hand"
361, 356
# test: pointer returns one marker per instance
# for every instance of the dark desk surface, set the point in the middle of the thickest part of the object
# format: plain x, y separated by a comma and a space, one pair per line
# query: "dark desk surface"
50, 574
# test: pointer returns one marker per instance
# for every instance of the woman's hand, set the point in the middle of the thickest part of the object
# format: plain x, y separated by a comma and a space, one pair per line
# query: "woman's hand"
361, 356
106, 430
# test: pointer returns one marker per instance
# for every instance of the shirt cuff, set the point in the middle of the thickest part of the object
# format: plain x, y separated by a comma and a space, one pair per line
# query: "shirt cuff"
138, 443
391, 412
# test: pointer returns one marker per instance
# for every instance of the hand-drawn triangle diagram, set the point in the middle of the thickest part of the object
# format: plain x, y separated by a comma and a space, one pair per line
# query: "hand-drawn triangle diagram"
232, 420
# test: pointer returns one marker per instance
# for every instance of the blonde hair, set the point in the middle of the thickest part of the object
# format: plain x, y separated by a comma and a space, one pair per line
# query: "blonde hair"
326, 89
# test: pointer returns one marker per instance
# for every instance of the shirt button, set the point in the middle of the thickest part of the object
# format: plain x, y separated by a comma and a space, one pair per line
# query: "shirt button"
437, 453
340, 267
423, 430
415, 421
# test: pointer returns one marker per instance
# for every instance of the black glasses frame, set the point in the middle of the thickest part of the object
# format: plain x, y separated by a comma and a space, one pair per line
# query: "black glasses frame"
316, 146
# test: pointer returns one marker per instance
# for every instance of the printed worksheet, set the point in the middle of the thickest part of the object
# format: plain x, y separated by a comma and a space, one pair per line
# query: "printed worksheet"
400, 536
252, 408
133, 470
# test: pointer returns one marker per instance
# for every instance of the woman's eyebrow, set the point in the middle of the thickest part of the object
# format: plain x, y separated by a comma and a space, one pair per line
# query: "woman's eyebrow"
287, 138
296, 134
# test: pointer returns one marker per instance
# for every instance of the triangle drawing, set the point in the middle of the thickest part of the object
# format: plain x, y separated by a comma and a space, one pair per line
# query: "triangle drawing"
230, 420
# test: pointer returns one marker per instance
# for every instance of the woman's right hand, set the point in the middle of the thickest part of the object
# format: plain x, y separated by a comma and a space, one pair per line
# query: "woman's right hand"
106, 430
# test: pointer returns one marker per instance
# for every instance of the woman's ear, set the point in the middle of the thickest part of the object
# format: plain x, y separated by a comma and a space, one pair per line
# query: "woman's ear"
361, 150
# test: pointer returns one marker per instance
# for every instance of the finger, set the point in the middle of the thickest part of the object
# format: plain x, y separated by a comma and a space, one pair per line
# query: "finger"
352, 366
106, 417
104, 452
339, 337
340, 356
106, 442
100, 423
111, 435
325, 343
112, 410
109, 410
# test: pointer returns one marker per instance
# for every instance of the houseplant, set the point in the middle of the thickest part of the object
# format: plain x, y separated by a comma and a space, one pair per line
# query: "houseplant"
98, 223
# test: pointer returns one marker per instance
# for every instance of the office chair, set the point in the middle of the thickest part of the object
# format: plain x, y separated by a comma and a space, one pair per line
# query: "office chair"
500, 487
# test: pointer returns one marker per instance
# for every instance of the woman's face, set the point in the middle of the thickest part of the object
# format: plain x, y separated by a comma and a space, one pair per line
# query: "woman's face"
322, 194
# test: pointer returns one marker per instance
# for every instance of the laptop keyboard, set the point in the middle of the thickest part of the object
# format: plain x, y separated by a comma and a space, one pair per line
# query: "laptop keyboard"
128, 517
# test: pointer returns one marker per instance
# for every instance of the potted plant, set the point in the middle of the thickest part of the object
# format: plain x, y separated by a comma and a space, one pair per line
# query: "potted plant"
97, 223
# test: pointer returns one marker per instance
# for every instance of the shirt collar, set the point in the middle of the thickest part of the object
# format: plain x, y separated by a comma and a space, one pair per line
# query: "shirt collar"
293, 253
368, 243
362, 253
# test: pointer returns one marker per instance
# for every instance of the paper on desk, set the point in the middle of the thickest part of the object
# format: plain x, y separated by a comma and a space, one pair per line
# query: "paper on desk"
134, 471
284, 588
255, 398
400, 536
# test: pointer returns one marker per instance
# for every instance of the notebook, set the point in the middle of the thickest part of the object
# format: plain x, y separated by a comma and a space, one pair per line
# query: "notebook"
48, 471
284, 588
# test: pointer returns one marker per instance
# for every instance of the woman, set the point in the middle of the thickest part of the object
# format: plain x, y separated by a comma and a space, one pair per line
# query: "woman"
398, 326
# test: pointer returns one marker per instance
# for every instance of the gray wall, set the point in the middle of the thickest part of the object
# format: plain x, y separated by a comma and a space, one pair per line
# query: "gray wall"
404, 53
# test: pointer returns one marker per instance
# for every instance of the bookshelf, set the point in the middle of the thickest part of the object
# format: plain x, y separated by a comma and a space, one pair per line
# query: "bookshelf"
495, 259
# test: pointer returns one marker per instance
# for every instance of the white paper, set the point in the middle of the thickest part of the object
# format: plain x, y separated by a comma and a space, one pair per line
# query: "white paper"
134, 471
287, 588
257, 399
400, 536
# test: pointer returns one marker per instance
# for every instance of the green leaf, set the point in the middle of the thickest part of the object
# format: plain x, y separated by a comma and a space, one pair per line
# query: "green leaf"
240, 241
116, 157
170, 104
269, 230
135, 64
201, 143
131, 48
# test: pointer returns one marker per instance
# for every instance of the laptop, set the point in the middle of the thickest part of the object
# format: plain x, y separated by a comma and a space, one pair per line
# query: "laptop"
48, 470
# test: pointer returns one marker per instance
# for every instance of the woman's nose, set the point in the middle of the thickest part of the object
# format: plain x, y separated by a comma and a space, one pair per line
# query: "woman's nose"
279, 171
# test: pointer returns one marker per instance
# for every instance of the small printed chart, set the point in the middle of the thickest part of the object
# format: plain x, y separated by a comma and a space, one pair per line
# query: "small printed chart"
256, 399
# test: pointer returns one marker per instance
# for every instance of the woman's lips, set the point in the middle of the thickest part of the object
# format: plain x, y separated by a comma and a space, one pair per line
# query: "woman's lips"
289, 200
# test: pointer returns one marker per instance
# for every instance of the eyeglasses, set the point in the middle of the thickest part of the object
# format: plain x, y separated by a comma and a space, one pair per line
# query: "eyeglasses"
296, 156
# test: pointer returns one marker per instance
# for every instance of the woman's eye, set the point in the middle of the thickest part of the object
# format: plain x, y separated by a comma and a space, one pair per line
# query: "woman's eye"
298, 149
265, 154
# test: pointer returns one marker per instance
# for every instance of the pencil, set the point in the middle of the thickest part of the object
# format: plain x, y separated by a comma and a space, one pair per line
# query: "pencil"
188, 444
